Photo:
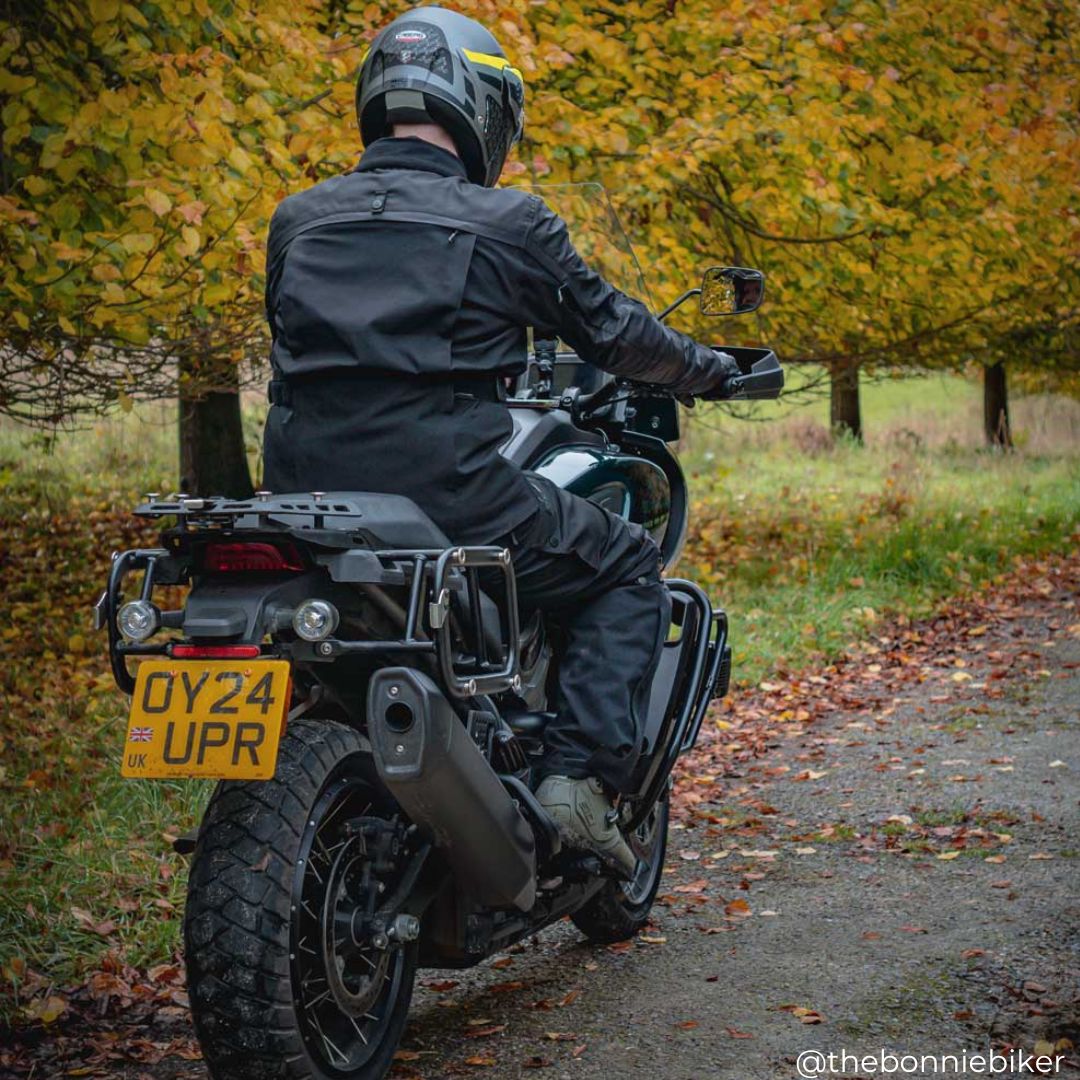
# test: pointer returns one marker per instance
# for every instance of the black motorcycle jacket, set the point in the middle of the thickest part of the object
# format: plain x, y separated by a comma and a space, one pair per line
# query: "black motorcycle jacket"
397, 294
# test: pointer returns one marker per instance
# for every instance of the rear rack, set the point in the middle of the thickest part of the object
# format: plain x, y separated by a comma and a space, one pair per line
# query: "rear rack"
474, 637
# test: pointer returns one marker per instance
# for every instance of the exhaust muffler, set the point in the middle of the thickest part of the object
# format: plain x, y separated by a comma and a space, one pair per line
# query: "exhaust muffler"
430, 764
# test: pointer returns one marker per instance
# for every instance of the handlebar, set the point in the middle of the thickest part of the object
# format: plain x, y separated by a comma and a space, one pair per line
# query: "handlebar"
582, 405
760, 378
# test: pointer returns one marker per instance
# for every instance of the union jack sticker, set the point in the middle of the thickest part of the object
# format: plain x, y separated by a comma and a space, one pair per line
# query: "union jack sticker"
141, 734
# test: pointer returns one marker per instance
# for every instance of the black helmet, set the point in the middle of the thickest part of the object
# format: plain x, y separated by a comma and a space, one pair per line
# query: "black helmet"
436, 66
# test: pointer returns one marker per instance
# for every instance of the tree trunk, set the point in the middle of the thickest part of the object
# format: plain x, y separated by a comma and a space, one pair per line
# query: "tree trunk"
212, 456
845, 415
996, 408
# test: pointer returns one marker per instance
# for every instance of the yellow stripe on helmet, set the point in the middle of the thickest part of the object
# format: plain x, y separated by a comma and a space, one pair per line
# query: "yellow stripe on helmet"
500, 63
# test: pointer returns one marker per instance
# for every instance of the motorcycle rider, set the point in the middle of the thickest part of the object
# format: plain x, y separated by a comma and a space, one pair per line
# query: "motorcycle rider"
398, 297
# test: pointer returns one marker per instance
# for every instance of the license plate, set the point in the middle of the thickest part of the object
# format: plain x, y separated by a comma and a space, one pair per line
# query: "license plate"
209, 718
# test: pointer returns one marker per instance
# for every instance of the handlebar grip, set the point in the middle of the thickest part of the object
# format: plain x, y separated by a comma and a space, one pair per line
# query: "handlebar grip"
725, 389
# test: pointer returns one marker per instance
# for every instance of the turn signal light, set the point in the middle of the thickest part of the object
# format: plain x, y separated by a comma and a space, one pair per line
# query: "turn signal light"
138, 620
315, 620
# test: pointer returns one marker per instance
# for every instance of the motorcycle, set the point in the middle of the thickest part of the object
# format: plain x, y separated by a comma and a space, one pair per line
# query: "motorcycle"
371, 702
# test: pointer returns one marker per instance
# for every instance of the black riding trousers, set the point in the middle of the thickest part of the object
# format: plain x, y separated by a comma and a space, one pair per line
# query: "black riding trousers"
597, 577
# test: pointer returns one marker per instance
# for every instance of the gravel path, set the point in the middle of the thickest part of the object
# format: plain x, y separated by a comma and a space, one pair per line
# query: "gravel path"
896, 870
839, 840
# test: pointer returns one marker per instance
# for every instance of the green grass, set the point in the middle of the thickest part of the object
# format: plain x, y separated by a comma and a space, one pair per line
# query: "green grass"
809, 546
809, 543
813, 553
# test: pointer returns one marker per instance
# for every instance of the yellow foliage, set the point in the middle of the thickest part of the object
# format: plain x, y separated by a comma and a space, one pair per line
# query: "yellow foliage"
905, 173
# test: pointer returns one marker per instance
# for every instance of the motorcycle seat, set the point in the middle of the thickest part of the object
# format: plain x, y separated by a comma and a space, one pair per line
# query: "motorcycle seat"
392, 521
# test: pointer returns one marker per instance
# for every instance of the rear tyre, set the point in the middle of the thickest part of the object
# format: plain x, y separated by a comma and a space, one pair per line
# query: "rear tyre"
279, 985
622, 908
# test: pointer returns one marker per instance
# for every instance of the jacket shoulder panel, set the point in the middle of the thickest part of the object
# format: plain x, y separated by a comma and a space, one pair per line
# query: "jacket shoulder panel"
505, 215
310, 202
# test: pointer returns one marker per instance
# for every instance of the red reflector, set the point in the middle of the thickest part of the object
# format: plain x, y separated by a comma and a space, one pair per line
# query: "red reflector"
221, 558
215, 652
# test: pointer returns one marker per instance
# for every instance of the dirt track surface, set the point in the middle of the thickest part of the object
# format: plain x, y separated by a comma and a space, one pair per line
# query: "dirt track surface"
882, 856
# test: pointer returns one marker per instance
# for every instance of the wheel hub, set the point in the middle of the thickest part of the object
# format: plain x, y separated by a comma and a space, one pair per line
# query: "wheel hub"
355, 961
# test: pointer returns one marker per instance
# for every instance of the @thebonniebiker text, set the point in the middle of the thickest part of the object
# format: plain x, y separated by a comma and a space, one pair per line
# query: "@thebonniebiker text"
812, 1064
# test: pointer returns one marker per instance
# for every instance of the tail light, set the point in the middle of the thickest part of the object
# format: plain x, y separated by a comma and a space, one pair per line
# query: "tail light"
251, 557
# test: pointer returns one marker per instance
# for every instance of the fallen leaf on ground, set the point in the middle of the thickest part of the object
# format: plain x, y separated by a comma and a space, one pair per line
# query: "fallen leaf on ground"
484, 1032
46, 1009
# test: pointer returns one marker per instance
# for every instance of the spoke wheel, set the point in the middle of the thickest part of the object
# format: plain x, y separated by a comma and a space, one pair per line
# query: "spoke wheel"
289, 976
345, 987
643, 842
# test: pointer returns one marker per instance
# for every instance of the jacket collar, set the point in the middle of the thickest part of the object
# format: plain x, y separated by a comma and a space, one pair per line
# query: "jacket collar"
411, 153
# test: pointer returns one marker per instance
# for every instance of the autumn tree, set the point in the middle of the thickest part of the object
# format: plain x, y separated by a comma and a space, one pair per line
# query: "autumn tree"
145, 147
904, 172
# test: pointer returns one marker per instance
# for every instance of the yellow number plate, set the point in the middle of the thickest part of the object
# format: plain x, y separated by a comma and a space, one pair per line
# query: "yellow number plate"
213, 718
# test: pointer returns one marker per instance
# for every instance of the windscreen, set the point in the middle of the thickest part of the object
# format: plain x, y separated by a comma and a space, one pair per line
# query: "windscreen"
597, 234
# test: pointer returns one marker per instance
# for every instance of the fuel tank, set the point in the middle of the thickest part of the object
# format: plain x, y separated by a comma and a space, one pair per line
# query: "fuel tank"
631, 485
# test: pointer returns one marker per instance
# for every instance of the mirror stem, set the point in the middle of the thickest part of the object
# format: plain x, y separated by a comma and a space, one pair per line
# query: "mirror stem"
678, 303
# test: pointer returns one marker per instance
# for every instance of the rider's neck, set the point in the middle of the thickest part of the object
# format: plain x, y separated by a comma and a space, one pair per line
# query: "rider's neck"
431, 133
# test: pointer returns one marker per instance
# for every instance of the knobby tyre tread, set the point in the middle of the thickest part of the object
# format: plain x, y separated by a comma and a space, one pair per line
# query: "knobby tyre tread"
237, 919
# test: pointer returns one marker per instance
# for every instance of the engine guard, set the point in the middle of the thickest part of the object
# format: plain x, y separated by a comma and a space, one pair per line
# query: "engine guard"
694, 669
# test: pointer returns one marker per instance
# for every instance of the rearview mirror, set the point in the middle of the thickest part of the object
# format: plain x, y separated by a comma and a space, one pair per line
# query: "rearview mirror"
731, 290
